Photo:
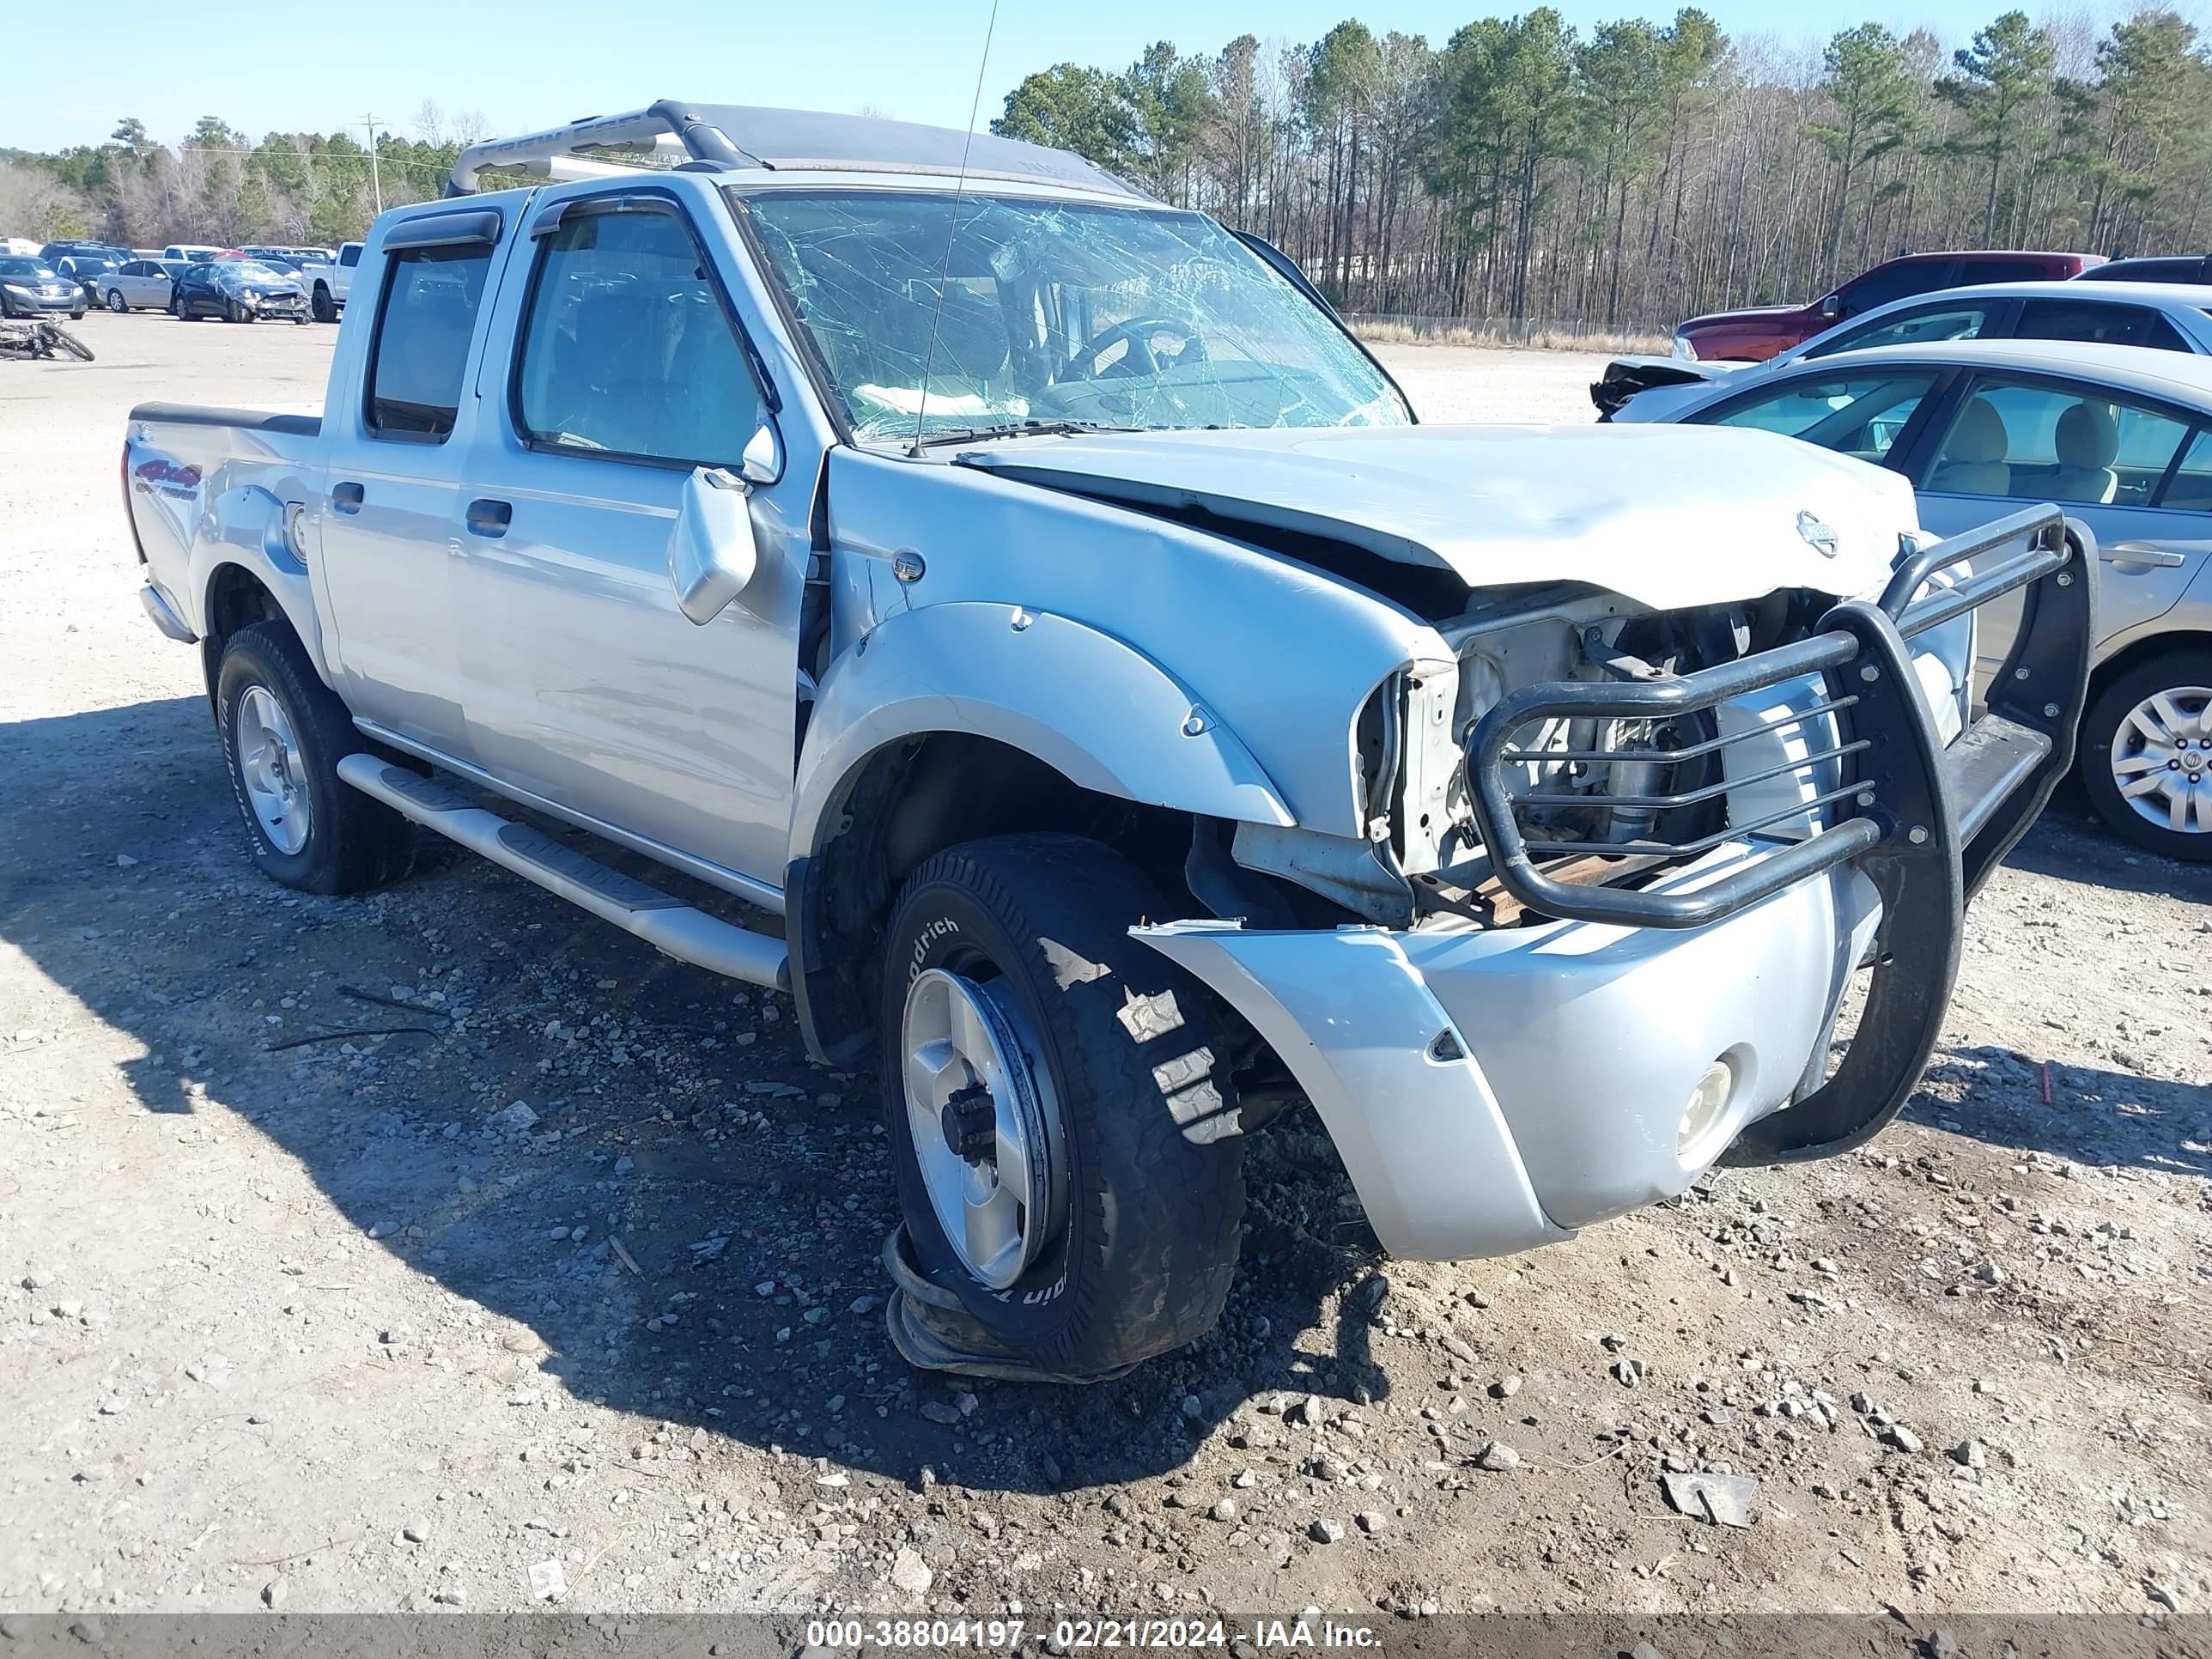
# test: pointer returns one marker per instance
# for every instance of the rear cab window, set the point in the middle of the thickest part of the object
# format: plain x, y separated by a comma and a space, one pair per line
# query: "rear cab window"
419, 354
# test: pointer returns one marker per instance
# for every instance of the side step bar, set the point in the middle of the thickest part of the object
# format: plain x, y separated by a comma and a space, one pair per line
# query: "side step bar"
662, 921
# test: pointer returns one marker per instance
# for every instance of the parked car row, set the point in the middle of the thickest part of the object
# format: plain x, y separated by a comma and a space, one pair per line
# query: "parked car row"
187, 280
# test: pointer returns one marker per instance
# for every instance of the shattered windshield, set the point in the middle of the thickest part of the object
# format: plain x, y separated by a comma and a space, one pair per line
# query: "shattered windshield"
1037, 311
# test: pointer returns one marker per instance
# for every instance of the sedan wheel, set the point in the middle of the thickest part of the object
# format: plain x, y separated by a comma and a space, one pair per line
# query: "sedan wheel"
116, 302
2147, 755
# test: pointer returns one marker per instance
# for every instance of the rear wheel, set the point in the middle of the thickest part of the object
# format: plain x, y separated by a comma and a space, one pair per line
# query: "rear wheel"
1059, 1107
2147, 754
116, 302
69, 342
283, 733
325, 310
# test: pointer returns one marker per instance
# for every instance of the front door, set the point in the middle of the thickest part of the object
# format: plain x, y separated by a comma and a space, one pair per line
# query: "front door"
2131, 470
588, 687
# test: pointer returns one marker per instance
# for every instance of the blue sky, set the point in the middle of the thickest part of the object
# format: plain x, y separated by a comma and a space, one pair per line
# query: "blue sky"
313, 64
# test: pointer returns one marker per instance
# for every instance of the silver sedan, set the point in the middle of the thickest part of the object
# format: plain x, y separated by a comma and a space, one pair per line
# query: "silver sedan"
2121, 436
140, 285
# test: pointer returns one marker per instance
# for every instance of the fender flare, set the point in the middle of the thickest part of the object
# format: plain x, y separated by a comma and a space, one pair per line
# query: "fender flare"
1101, 713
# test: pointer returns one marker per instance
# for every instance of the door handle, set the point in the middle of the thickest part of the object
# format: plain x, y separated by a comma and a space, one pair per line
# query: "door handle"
347, 497
2141, 553
490, 517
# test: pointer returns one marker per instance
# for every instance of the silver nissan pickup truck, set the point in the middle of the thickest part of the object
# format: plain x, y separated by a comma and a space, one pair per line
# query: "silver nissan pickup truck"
1017, 618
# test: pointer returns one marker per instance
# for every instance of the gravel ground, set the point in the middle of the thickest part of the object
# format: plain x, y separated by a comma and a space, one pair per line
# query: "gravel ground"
342, 1326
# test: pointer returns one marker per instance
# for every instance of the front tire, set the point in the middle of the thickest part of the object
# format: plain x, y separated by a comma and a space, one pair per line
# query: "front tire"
1069, 1160
2147, 755
283, 733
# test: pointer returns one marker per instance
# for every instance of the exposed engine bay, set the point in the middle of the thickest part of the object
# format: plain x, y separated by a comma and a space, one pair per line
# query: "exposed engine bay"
1679, 784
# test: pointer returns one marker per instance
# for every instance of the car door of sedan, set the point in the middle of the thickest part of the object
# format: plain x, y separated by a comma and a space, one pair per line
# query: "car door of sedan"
2136, 472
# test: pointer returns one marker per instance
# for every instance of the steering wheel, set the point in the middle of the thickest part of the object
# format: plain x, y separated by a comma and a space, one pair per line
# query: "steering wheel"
1138, 332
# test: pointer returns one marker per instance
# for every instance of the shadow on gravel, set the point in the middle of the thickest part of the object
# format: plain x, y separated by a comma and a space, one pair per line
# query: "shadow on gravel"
2071, 843
2095, 1116
664, 1111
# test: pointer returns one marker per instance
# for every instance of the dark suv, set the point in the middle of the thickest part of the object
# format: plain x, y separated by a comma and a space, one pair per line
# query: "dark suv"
2161, 268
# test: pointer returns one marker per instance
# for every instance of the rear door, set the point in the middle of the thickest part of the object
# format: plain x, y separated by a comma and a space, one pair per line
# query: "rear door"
396, 453
2112, 460
623, 365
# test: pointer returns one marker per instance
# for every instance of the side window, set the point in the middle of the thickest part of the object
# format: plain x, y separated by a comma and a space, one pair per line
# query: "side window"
2046, 442
2190, 489
1955, 321
626, 348
419, 350
2107, 325
350, 255
1976, 271
1897, 281
1862, 415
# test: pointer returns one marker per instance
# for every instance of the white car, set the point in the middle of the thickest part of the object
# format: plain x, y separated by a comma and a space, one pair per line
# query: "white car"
2160, 316
2117, 436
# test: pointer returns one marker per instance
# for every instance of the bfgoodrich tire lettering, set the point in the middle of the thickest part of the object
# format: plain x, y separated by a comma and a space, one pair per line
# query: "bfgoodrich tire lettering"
353, 843
1152, 1169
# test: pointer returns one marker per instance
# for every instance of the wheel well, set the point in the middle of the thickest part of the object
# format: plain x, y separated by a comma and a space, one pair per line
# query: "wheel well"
2155, 645
910, 799
236, 598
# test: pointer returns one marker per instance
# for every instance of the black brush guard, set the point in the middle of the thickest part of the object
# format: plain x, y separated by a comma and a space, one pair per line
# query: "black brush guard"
1926, 823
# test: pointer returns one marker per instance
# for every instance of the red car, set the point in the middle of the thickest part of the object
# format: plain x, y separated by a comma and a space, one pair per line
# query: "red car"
1758, 332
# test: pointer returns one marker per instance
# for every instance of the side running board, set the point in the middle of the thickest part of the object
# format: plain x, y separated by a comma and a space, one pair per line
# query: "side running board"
661, 919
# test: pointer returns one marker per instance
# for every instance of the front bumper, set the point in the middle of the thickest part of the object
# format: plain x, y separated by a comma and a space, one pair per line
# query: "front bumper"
284, 306
1490, 1090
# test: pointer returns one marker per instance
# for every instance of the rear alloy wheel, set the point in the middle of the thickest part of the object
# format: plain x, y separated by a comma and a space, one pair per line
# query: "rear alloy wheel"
2147, 755
116, 302
284, 733
1069, 1163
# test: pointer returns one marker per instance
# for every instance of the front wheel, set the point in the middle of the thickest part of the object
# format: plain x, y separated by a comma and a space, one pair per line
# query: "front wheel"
283, 733
69, 342
2147, 754
1069, 1160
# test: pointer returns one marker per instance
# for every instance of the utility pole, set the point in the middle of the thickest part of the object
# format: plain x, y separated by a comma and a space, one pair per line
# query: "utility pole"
375, 174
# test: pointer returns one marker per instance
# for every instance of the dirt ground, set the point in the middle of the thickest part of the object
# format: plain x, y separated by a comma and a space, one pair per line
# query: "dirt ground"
325, 1325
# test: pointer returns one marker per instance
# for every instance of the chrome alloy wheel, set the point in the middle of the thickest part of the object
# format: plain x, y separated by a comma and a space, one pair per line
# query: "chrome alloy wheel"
985, 1124
270, 767
2162, 759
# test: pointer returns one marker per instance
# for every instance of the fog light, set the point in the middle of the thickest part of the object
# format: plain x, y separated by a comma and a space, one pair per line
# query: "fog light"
1708, 1101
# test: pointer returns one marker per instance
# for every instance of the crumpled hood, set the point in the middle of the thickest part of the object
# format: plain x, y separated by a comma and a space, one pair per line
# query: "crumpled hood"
1667, 516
